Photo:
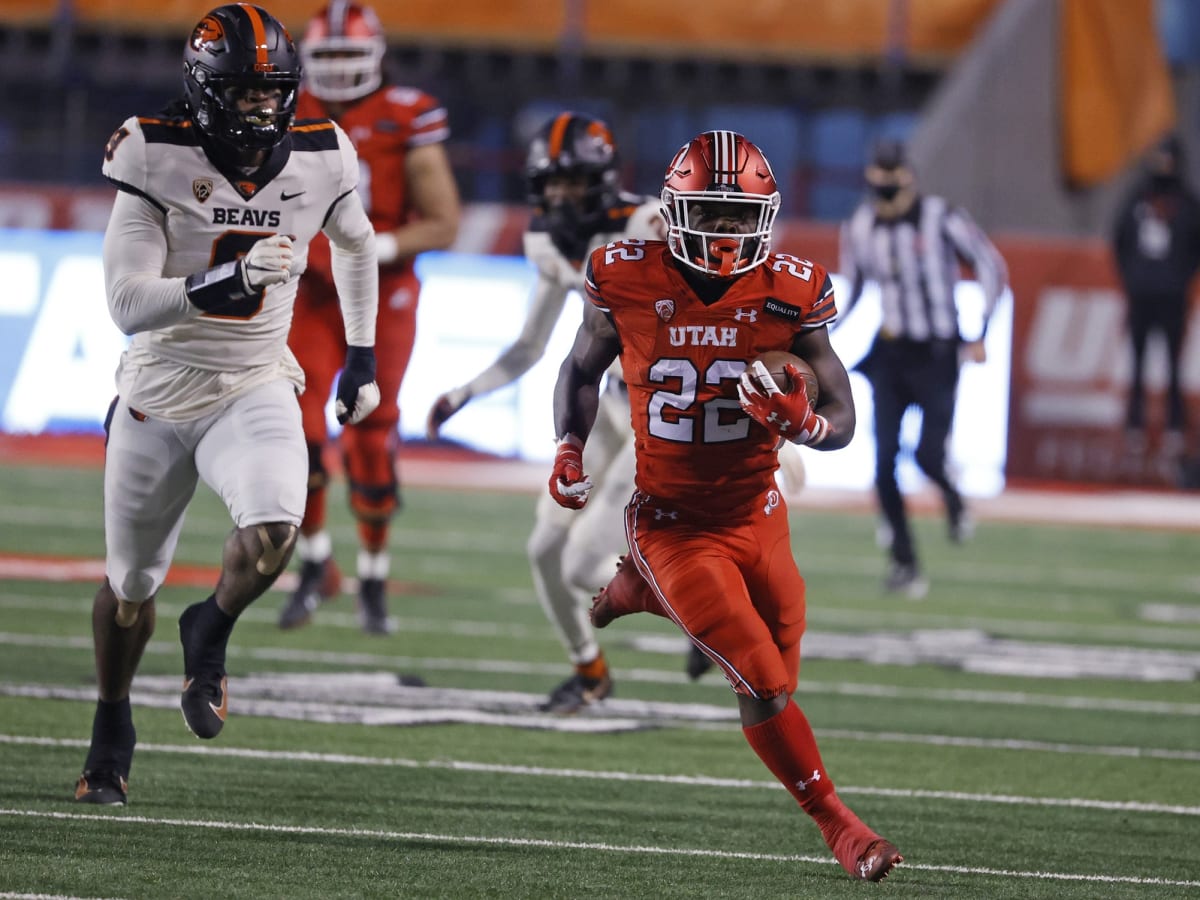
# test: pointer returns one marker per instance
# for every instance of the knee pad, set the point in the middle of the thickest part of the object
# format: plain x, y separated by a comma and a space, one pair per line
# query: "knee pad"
369, 456
275, 542
545, 543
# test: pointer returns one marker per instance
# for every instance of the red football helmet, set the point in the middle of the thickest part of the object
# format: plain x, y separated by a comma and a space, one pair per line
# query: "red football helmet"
720, 201
342, 50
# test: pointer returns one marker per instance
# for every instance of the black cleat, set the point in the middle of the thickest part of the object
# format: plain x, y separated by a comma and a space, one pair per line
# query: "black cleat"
906, 579
205, 701
697, 663
575, 693
319, 583
960, 526
102, 787
372, 606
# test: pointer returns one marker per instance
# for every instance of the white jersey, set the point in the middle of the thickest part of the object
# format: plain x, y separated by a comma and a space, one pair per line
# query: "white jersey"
193, 214
557, 276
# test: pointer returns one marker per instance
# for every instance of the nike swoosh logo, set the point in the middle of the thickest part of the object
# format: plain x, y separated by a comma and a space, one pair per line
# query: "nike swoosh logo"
284, 195
220, 711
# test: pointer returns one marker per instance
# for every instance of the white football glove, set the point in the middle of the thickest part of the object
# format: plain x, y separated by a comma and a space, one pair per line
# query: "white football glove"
268, 262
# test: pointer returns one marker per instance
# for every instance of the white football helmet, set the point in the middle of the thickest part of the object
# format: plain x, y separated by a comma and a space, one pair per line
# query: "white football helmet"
342, 51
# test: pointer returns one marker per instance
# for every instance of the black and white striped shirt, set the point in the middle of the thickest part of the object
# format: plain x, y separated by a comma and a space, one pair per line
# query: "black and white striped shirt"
915, 261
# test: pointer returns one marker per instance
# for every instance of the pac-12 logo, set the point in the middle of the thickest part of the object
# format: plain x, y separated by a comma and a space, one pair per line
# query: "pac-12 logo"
665, 309
202, 188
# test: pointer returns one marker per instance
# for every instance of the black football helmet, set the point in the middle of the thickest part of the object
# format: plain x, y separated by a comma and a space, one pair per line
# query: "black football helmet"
574, 144
233, 49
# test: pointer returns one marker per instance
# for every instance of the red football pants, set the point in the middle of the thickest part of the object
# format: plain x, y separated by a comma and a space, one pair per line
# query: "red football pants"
732, 585
318, 341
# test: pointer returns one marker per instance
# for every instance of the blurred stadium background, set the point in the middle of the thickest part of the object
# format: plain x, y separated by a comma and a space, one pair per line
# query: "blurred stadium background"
1030, 113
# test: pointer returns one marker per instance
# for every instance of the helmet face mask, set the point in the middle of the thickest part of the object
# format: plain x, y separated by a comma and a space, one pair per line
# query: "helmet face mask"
576, 158
343, 50
241, 73
720, 201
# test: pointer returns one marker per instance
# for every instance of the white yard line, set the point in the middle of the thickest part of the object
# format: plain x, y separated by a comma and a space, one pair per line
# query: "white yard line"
340, 759
589, 846
641, 675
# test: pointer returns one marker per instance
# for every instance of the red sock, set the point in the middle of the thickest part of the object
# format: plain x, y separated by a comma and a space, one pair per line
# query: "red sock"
314, 511
373, 535
595, 670
785, 743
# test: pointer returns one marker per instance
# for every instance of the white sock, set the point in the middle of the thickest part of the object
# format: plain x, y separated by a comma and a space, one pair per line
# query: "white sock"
373, 565
314, 547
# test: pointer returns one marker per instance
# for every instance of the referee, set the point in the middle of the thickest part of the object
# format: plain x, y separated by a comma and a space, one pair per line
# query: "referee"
911, 245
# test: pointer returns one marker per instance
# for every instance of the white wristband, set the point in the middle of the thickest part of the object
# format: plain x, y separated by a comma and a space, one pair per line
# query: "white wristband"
386, 247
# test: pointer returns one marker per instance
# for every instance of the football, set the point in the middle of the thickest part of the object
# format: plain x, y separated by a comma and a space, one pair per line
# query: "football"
775, 360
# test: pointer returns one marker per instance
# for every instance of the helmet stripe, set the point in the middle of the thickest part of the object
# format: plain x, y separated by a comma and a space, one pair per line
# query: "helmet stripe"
261, 60
338, 13
558, 134
724, 150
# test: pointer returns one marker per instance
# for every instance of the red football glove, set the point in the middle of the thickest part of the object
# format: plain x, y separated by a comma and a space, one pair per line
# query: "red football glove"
568, 485
788, 416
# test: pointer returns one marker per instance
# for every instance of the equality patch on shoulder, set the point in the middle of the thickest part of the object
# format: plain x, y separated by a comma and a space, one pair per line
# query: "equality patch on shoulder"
781, 309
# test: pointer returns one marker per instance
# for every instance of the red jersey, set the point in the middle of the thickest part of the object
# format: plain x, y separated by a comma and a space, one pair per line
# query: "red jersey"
696, 448
383, 126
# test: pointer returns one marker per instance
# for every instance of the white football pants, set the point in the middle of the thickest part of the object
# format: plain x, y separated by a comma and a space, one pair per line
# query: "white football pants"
251, 452
573, 553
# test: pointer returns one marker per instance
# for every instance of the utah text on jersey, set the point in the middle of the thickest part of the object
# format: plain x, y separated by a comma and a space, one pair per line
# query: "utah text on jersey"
682, 359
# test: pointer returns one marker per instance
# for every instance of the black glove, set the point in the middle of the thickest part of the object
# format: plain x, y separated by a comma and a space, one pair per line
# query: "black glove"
357, 392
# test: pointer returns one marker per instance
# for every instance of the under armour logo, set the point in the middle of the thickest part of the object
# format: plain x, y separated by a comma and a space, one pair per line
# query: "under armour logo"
772, 502
750, 315
784, 424
660, 514
803, 785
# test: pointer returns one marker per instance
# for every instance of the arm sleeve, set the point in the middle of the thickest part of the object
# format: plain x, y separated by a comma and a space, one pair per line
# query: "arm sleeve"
135, 249
972, 245
355, 268
544, 311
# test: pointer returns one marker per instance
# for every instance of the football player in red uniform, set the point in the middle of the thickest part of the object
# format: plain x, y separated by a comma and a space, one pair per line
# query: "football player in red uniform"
707, 526
409, 192
572, 168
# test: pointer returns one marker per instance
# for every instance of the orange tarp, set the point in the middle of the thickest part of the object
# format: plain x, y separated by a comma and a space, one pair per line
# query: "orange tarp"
751, 29
834, 29
1116, 90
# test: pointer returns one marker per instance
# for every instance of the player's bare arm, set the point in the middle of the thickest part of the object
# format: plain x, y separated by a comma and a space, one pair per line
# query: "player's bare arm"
835, 403
435, 201
577, 392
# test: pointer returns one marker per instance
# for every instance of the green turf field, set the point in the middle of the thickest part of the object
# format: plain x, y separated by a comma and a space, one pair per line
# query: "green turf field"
1031, 729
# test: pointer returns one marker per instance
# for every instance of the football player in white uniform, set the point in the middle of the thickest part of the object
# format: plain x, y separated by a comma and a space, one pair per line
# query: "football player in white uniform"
572, 168
218, 197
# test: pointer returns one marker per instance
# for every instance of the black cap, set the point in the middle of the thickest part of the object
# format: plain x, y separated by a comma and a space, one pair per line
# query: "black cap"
889, 154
